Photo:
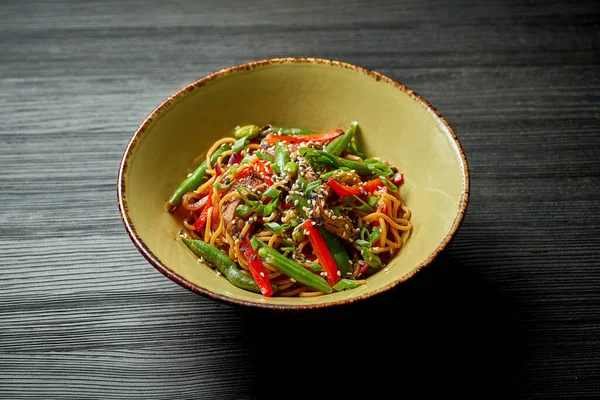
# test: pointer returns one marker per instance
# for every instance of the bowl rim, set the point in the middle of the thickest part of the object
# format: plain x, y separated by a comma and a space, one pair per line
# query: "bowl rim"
182, 281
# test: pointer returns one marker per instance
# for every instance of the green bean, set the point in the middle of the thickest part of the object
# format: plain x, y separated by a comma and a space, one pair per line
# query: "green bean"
338, 252
194, 180
224, 264
346, 284
339, 145
289, 267
286, 131
249, 131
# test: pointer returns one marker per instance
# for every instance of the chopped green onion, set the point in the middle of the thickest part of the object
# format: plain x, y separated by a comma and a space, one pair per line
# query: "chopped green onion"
276, 228
242, 210
372, 201
347, 284
240, 144
248, 158
364, 207
271, 192
290, 168
389, 184
375, 236
265, 156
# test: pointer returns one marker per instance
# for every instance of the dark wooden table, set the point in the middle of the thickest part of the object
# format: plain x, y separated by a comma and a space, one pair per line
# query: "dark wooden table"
511, 308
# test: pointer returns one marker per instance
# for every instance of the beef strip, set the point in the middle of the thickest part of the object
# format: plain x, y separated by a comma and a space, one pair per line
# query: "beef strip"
340, 226
233, 223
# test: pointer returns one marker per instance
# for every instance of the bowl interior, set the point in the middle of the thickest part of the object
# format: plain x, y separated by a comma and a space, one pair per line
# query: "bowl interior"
395, 125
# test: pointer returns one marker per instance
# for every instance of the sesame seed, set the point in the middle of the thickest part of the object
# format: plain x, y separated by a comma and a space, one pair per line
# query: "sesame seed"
293, 280
339, 273
262, 274
295, 202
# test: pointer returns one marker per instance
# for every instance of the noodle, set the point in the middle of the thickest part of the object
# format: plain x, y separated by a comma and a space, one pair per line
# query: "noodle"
217, 213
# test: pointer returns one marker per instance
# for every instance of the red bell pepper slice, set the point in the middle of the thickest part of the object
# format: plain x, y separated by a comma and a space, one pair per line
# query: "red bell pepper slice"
398, 179
373, 185
342, 190
320, 248
201, 221
265, 171
257, 268
315, 137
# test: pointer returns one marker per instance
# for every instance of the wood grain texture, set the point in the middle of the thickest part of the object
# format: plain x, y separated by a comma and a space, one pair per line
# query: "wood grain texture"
513, 305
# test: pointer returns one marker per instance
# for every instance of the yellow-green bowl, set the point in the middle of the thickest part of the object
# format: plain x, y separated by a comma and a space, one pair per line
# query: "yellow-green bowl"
396, 125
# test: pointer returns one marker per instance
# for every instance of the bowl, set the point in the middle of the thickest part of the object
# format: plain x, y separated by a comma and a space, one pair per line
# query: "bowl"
396, 125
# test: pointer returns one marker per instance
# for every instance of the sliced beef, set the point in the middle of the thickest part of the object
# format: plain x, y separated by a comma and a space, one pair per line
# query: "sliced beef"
340, 226
233, 223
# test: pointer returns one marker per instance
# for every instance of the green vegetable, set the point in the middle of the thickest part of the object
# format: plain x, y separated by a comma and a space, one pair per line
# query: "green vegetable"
282, 156
372, 201
271, 192
371, 258
240, 144
338, 252
277, 228
245, 193
315, 267
347, 284
289, 267
302, 202
290, 168
247, 131
339, 145
329, 174
287, 131
224, 264
389, 184
355, 148
264, 156
243, 210
194, 180
364, 207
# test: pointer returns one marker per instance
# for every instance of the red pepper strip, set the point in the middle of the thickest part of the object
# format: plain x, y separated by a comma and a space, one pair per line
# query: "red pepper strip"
364, 267
316, 137
320, 248
373, 185
201, 221
398, 179
265, 171
257, 268
342, 190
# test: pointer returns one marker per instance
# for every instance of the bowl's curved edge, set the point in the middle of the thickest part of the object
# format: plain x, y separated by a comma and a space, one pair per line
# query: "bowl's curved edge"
160, 266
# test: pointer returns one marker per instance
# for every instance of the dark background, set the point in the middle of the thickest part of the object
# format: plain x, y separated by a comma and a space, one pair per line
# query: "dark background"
510, 309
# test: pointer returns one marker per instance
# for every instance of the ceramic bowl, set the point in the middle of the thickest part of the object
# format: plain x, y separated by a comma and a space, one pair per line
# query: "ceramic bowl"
396, 125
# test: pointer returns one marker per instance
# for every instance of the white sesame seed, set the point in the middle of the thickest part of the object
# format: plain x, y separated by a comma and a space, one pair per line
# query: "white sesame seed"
313, 223
293, 280
339, 273
262, 274
295, 202
190, 174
